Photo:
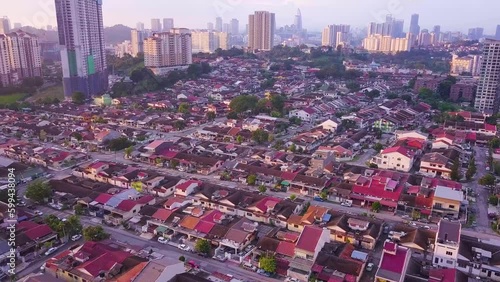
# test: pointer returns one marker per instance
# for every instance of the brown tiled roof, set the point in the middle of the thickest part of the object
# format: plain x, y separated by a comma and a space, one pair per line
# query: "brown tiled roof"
189, 222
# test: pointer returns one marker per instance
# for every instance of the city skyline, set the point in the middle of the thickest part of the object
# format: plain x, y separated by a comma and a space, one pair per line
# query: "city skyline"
315, 14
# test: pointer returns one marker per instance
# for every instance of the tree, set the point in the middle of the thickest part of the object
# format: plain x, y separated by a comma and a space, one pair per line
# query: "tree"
378, 147
243, 103
293, 197
211, 116
79, 209
182, 258
232, 115
262, 188
128, 151
174, 163
373, 94
496, 168
137, 75
118, 144
203, 246
268, 263
43, 135
73, 225
183, 108
95, 233
487, 180
278, 102
179, 124
471, 169
352, 86
78, 97
376, 206
260, 136
78, 136
494, 143
493, 200
455, 174
323, 195
251, 179
38, 191
239, 139
292, 148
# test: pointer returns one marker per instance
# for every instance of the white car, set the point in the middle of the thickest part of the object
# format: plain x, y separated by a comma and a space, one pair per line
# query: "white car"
184, 247
76, 237
162, 240
39, 213
369, 267
346, 204
50, 251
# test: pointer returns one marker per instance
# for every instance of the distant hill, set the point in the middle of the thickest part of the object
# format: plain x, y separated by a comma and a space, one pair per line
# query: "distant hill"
43, 35
116, 34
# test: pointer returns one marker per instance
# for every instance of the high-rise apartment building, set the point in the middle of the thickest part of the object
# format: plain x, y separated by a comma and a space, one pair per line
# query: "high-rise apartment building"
218, 24
123, 48
298, 21
206, 41
414, 27
487, 95
81, 36
210, 26
385, 44
497, 34
424, 38
139, 26
19, 57
391, 27
467, 64
235, 27
4, 25
136, 42
334, 35
167, 50
475, 33
261, 27
226, 27
168, 24
155, 25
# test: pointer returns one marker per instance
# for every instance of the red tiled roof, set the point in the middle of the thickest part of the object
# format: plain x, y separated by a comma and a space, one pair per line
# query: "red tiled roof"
62, 156
490, 127
185, 185
399, 149
471, 136
377, 189
204, 226
40, 231
103, 198
268, 202
145, 199
212, 216
126, 205
289, 176
442, 275
169, 154
286, 249
97, 165
309, 238
162, 214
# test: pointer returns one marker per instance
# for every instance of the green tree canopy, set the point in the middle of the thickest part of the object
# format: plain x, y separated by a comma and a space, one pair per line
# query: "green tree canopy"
38, 191
260, 136
203, 246
243, 103
95, 233
78, 97
262, 188
268, 263
251, 179
376, 206
183, 108
487, 180
455, 174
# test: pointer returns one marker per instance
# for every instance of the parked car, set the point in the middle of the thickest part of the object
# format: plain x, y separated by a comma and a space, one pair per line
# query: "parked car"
162, 240
50, 251
319, 199
346, 204
263, 272
76, 237
21, 204
39, 213
184, 247
369, 267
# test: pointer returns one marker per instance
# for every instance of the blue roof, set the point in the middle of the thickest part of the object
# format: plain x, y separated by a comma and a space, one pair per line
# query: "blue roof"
113, 202
127, 194
359, 255
327, 217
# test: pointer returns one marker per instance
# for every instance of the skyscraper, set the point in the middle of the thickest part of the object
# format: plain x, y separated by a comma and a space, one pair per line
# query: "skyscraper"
475, 33
414, 27
168, 49
19, 57
261, 27
391, 27
208, 41
81, 36
168, 24
487, 95
226, 27
218, 24
235, 27
298, 21
497, 34
210, 26
4, 25
137, 42
155, 25
139, 26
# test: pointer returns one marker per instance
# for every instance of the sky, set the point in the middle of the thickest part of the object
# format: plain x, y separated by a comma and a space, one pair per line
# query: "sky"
452, 15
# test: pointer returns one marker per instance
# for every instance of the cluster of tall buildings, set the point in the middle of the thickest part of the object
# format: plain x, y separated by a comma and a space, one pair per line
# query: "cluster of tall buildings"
81, 40
475, 33
19, 57
207, 41
467, 64
158, 26
232, 28
335, 35
165, 51
387, 37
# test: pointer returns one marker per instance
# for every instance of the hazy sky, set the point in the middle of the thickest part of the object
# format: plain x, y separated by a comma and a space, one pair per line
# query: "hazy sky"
450, 14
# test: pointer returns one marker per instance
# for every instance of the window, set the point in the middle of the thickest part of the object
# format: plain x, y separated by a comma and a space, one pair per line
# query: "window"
449, 253
451, 206
449, 262
249, 214
436, 260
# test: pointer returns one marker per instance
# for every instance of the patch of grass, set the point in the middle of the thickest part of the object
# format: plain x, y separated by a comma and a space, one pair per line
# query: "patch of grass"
50, 92
12, 98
